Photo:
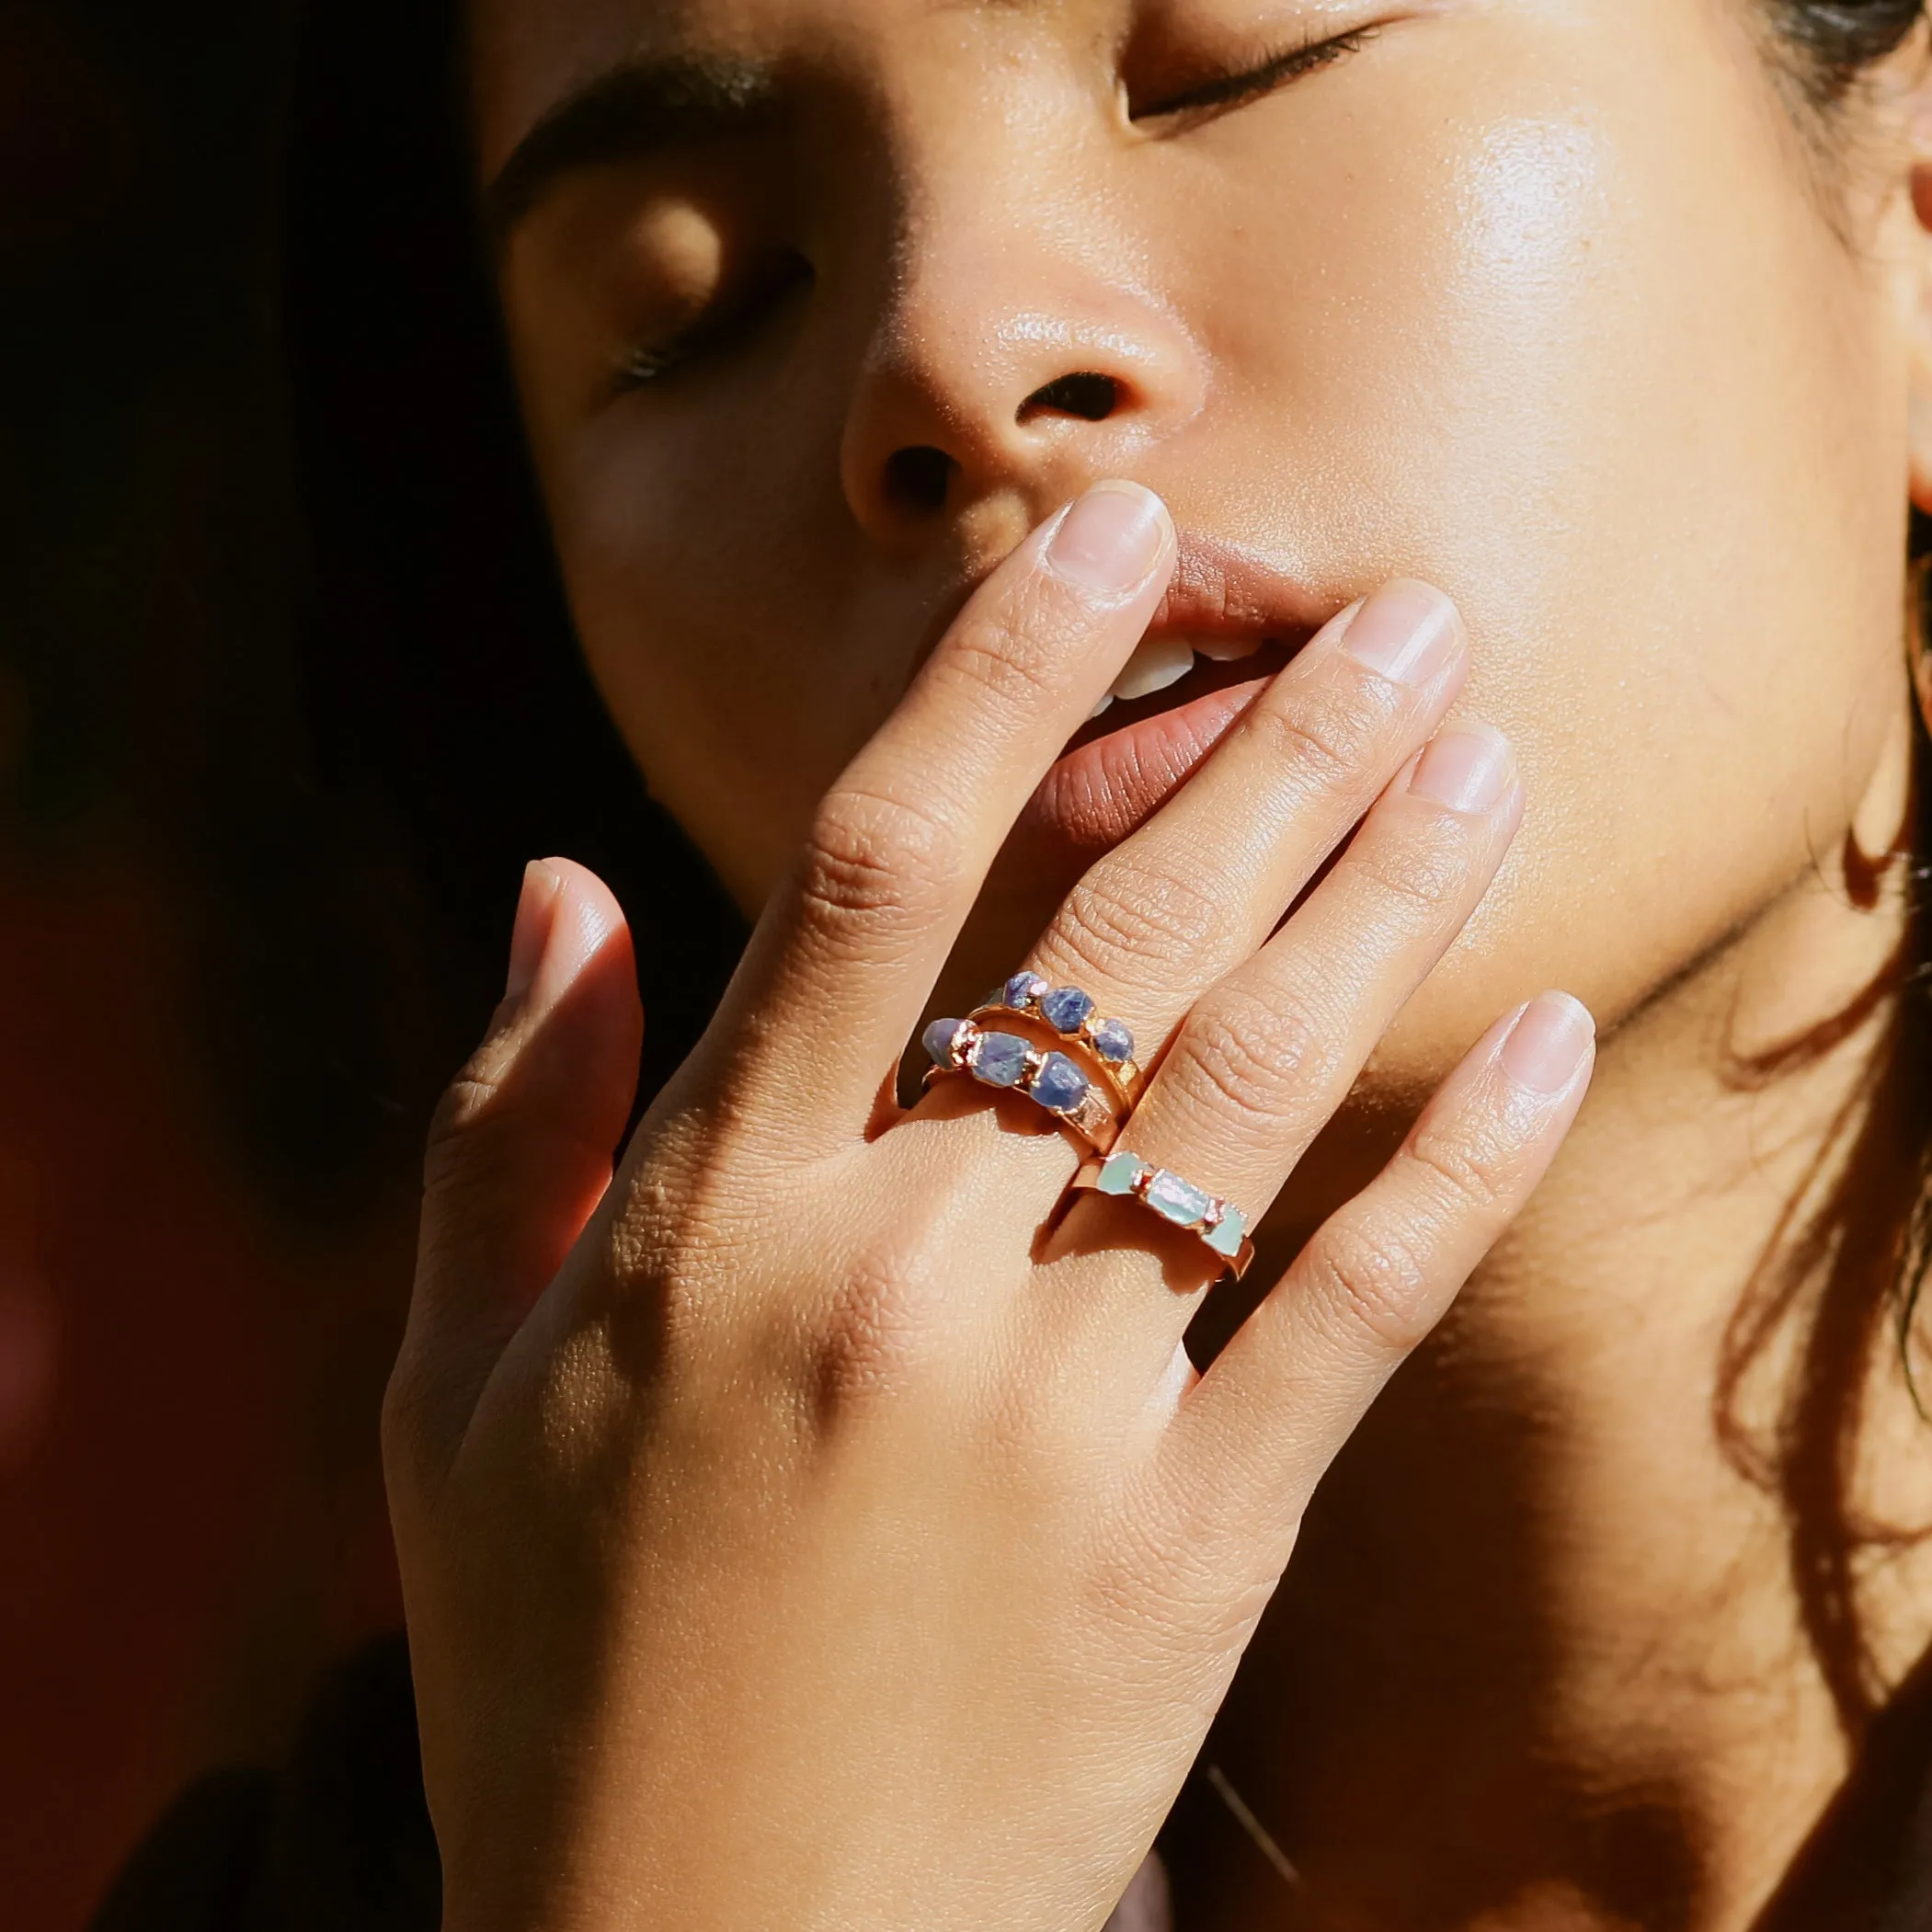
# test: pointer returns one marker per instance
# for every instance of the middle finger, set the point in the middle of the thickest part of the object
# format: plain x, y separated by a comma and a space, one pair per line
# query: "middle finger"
1197, 889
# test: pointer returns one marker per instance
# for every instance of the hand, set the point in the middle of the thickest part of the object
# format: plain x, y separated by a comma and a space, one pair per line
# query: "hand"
807, 1528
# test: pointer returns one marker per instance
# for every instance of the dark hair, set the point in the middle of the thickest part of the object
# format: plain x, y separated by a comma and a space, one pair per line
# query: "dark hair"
1844, 1270
447, 697
1837, 39
440, 676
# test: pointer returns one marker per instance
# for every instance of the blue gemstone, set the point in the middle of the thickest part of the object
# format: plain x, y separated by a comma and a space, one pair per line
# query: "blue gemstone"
1065, 1008
1023, 990
1059, 1085
1114, 1042
938, 1040
1000, 1059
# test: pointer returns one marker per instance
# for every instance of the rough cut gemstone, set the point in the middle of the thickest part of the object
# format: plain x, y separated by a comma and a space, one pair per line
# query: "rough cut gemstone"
1112, 1042
1065, 1008
939, 1038
1225, 1237
1023, 990
1000, 1059
1181, 1201
1060, 1084
1120, 1174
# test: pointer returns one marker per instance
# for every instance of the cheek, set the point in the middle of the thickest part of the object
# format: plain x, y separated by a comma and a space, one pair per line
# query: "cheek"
1603, 372
708, 609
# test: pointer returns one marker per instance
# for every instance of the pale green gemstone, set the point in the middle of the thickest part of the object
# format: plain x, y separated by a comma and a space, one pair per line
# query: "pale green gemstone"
1180, 1201
1226, 1240
1121, 1174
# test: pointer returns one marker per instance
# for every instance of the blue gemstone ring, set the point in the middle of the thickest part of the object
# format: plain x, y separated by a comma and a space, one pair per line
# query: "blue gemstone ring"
1222, 1227
1051, 1080
1073, 1014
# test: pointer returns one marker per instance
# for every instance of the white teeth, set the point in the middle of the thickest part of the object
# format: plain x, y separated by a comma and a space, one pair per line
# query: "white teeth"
1224, 650
1161, 661
1157, 662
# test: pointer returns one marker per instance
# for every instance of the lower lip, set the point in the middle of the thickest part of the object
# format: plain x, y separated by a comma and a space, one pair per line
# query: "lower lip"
1101, 790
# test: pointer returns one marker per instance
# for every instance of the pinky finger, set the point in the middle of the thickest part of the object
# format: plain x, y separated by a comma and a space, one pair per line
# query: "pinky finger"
1258, 1433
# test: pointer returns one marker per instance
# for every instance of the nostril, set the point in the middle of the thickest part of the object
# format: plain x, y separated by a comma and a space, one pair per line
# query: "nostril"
918, 478
1093, 398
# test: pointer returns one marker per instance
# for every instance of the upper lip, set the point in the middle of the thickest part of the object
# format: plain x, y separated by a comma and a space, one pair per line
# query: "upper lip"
1223, 589
1220, 589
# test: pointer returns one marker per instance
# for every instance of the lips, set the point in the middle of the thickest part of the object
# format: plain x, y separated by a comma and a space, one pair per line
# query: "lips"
1228, 623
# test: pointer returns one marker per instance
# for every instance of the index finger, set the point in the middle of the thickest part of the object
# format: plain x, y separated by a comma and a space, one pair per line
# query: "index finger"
842, 964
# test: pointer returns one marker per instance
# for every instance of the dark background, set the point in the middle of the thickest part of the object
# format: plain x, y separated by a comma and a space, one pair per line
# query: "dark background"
204, 1233
261, 827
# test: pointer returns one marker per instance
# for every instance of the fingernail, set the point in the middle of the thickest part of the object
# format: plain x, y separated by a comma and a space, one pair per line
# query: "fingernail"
1408, 632
1466, 767
1110, 539
1549, 1043
536, 913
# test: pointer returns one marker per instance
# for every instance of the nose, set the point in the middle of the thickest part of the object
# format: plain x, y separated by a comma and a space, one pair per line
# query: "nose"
999, 367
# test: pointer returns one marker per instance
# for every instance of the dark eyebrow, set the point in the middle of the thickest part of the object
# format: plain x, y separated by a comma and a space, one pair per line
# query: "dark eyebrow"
629, 111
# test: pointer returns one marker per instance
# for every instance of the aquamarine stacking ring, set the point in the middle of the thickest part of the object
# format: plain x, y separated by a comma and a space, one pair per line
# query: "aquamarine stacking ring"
1051, 1080
1223, 1227
1073, 1015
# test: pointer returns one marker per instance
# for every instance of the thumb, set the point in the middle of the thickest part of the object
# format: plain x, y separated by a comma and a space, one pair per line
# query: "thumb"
522, 1148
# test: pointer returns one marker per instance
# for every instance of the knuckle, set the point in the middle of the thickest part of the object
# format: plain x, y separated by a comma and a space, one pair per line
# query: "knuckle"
470, 1115
683, 1232
1426, 869
1374, 1282
465, 1101
1254, 1056
1470, 1177
874, 1340
1000, 653
1171, 1604
486, 1126
1130, 916
1326, 731
875, 858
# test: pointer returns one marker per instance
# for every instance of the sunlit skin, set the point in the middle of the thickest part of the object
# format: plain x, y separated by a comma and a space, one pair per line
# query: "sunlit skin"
1559, 305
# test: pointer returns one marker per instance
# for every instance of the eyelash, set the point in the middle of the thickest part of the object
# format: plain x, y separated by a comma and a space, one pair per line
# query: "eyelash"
645, 364
1236, 90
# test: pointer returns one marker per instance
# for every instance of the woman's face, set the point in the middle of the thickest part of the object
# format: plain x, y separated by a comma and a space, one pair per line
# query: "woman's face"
1548, 301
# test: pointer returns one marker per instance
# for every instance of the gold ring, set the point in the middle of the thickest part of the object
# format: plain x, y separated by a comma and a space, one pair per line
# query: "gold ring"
1221, 1226
1107, 1045
1005, 1061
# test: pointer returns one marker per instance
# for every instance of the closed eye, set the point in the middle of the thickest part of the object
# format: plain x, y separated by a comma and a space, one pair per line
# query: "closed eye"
721, 327
1234, 90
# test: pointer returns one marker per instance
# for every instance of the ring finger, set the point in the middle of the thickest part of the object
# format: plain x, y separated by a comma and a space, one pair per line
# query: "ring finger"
1265, 1058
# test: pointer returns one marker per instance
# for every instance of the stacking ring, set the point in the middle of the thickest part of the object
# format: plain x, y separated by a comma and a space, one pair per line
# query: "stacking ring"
1049, 1079
1073, 1015
1223, 1227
